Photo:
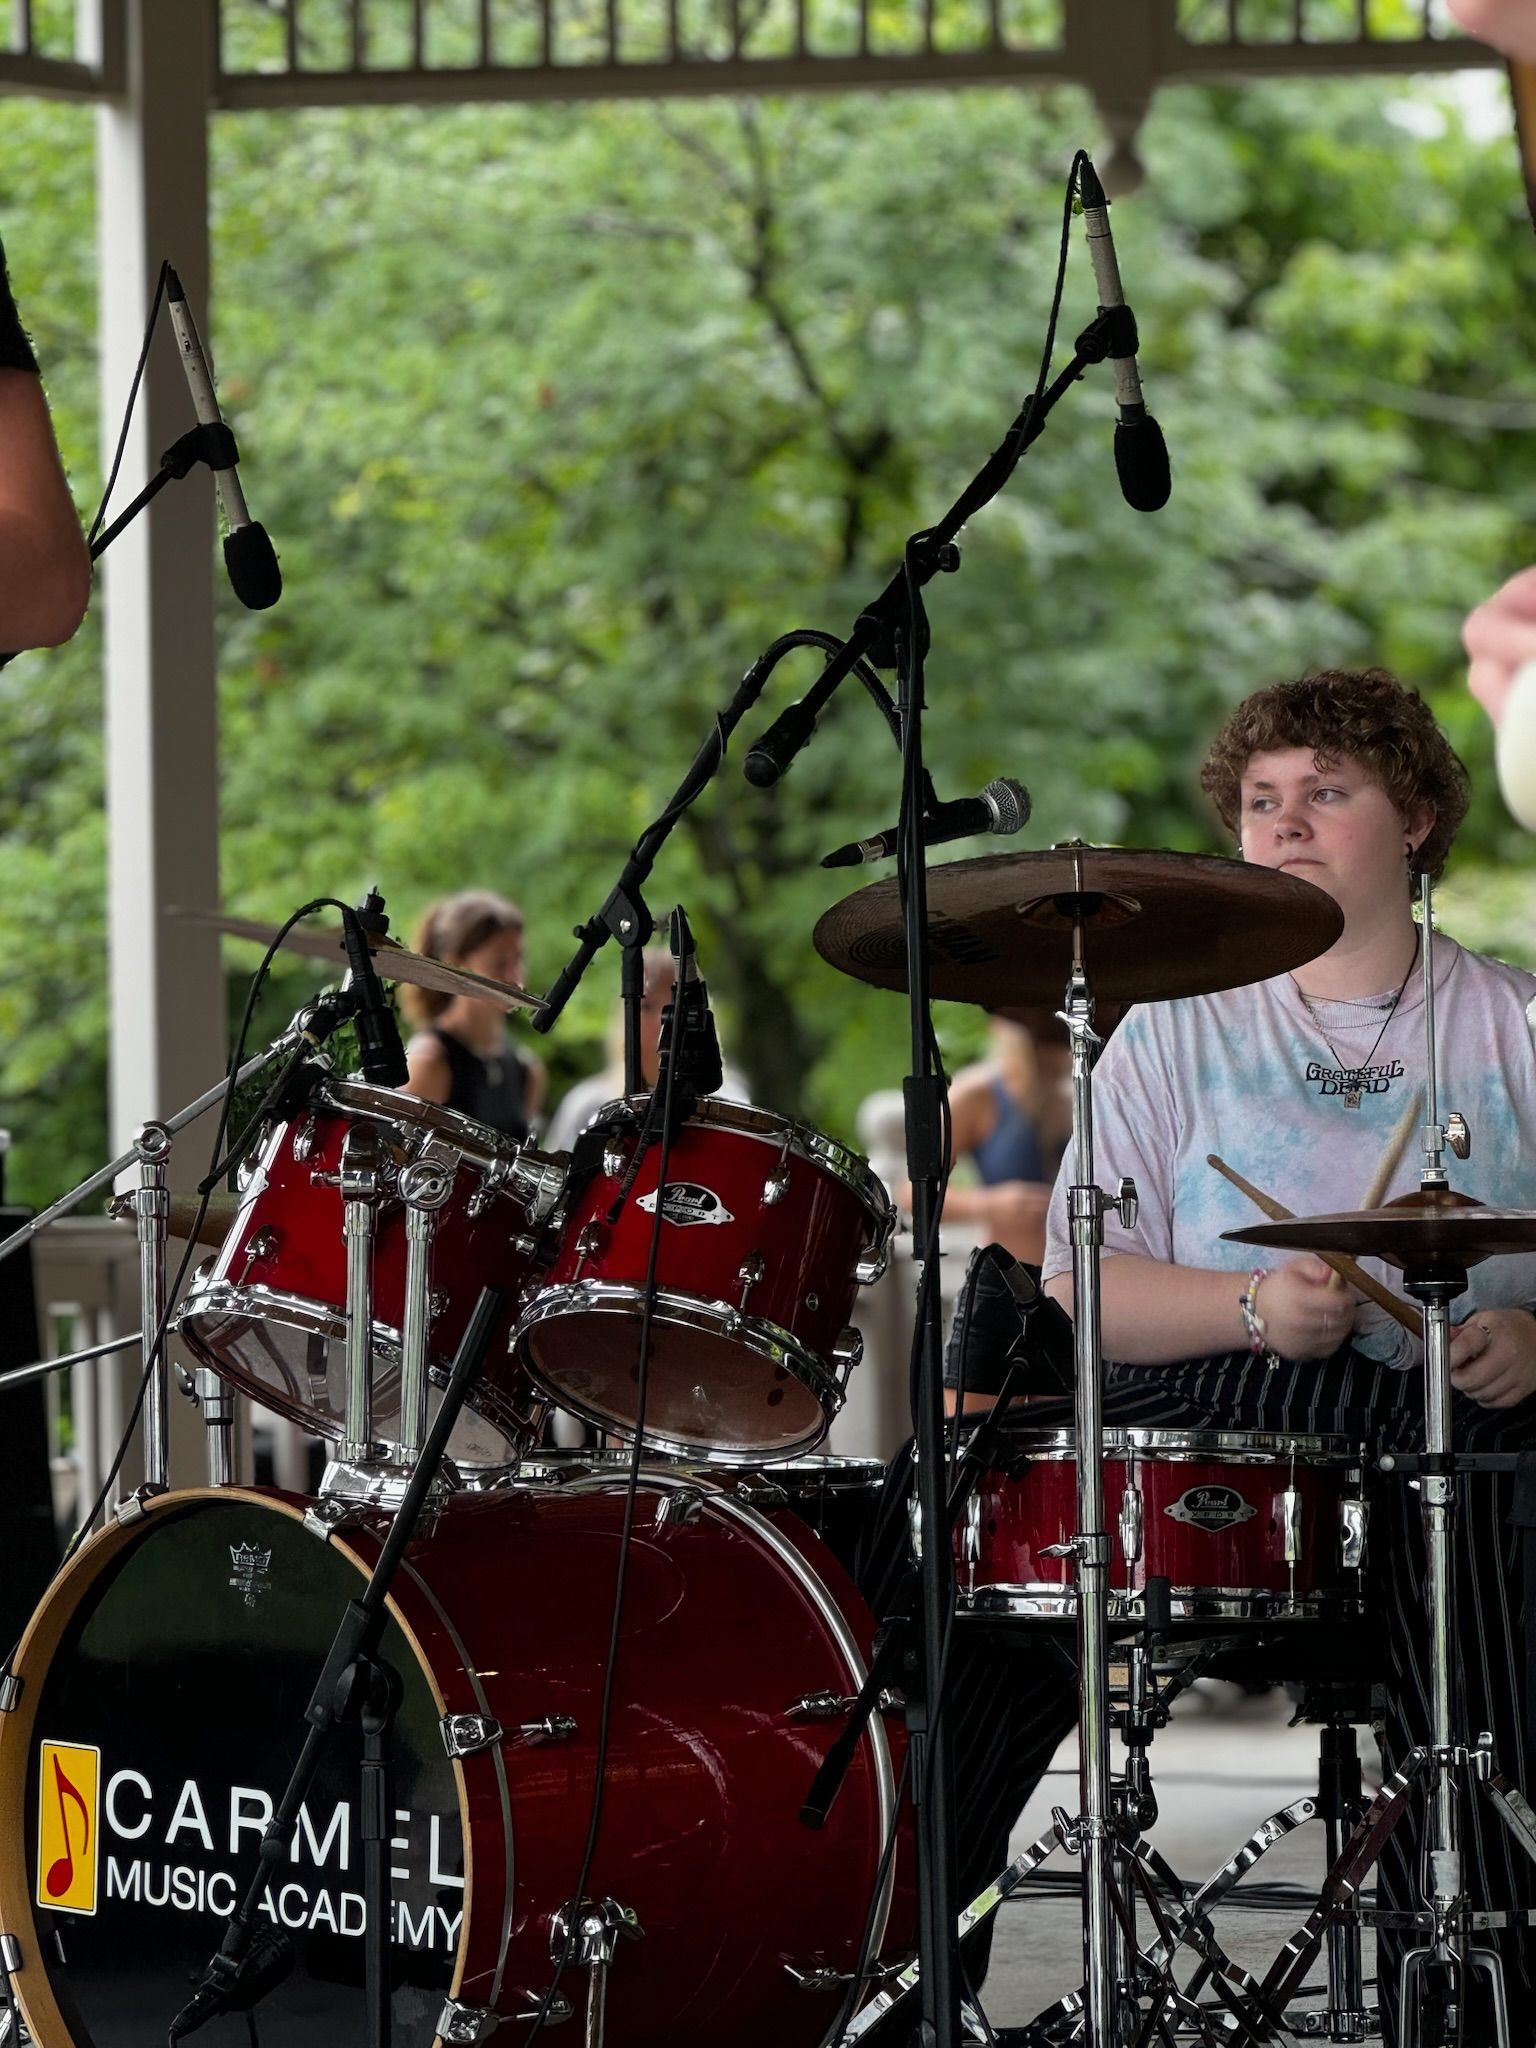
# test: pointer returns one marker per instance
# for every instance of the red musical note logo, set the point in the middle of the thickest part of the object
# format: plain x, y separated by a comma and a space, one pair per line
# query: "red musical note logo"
61, 1874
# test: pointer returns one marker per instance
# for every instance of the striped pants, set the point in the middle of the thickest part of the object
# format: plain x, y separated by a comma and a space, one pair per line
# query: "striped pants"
1012, 1699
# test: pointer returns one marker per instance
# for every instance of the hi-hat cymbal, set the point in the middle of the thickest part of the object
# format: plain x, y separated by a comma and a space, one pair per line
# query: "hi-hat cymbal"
396, 962
1420, 1229
1155, 925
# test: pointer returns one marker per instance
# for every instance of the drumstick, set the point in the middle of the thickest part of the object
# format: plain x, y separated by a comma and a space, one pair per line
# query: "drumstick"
1345, 1268
1381, 1179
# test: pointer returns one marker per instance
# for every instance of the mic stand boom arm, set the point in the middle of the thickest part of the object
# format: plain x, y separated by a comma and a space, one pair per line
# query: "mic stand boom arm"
623, 915
931, 552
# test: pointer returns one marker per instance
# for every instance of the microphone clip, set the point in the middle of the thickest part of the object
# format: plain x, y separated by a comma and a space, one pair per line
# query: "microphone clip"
212, 442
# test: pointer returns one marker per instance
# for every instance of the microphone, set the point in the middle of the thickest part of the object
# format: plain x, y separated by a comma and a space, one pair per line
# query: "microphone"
1141, 454
688, 1033
1002, 807
236, 1983
380, 1052
249, 555
769, 757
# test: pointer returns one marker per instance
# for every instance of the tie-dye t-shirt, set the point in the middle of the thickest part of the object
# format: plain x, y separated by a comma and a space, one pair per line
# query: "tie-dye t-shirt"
1253, 1076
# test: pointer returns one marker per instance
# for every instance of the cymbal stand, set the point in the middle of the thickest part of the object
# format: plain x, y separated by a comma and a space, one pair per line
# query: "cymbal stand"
152, 1210
1446, 1768
1086, 1206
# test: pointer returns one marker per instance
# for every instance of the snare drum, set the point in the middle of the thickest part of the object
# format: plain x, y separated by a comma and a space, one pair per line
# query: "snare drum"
163, 1688
767, 1231
1244, 1526
269, 1314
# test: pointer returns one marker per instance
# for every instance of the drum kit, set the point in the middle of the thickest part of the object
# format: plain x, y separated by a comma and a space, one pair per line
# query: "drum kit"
418, 1290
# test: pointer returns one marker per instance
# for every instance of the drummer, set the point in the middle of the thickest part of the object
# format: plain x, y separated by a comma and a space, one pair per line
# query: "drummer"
1344, 780
461, 1054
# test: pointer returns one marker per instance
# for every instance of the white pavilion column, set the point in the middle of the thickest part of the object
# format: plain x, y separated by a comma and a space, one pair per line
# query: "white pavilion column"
168, 1027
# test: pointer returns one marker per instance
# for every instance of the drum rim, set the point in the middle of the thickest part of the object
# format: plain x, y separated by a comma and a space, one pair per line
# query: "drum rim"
767, 1127
689, 1312
44, 1631
1177, 1446
303, 1313
480, 1144
1050, 1600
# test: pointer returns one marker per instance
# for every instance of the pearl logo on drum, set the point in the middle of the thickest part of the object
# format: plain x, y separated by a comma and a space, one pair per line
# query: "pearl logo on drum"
1211, 1507
685, 1202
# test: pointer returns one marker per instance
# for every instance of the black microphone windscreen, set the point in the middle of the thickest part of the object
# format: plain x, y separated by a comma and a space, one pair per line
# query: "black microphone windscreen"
1141, 463
251, 560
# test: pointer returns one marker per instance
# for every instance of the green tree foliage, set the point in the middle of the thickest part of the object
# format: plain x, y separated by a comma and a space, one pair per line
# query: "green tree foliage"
560, 414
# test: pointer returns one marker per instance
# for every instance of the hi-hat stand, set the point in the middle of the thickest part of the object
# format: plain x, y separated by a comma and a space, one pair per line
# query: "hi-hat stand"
1446, 1772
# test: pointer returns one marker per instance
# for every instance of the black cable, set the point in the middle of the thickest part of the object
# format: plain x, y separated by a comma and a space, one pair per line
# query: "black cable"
664, 1091
869, 1937
133, 393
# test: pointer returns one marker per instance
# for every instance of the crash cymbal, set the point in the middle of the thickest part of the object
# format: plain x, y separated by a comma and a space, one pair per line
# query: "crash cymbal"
1418, 1229
1156, 925
215, 1226
396, 962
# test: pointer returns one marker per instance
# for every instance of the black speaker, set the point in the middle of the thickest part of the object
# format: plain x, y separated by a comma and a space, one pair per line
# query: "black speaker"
29, 1549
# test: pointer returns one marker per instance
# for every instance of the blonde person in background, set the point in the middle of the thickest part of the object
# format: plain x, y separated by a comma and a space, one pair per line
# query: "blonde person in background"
461, 1054
585, 1098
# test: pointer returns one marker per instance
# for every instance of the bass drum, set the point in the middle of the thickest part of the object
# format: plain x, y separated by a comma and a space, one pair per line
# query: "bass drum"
163, 1684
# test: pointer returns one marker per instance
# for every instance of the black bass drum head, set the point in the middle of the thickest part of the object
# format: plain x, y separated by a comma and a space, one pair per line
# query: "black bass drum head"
165, 1681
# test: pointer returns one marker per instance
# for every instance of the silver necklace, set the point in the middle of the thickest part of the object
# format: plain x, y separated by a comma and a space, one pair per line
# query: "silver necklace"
1351, 1096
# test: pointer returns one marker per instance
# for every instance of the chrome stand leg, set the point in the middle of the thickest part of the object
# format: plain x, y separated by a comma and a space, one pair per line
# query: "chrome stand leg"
152, 1206
216, 1400
425, 1186
362, 1158
586, 1932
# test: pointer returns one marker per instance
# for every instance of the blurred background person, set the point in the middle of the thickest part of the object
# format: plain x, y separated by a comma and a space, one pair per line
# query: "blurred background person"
585, 1098
1011, 1118
45, 569
461, 1053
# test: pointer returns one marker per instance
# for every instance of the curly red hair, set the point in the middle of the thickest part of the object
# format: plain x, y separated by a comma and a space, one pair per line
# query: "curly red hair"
1366, 715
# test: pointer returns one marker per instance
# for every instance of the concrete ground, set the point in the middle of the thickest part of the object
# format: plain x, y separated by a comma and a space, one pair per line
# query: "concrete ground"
1227, 1761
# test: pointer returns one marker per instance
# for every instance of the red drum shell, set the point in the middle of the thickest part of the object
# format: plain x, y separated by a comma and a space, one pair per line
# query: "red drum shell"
504, 1609
1215, 1507
269, 1314
763, 1240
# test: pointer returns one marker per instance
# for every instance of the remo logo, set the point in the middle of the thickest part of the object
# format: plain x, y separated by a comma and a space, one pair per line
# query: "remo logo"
66, 1828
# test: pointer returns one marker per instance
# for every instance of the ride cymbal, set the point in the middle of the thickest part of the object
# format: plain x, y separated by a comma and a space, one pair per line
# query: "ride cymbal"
1426, 1227
396, 962
1155, 925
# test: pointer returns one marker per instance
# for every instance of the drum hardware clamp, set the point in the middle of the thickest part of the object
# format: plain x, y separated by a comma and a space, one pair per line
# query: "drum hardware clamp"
587, 1932
469, 1734
683, 1504
827, 1706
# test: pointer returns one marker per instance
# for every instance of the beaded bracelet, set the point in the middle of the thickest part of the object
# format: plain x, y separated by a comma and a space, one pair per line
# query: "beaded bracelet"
1253, 1322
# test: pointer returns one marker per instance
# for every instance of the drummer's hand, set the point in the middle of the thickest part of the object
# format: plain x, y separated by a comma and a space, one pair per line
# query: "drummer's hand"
1500, 635
1307, 1312
1493, 1357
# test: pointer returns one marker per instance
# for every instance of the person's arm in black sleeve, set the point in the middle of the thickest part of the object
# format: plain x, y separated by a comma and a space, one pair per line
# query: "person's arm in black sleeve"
45, 570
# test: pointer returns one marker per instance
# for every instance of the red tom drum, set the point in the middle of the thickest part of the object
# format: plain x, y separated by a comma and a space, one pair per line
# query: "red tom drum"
163, 1687
1244, 1526
767, 1231
269, 1314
